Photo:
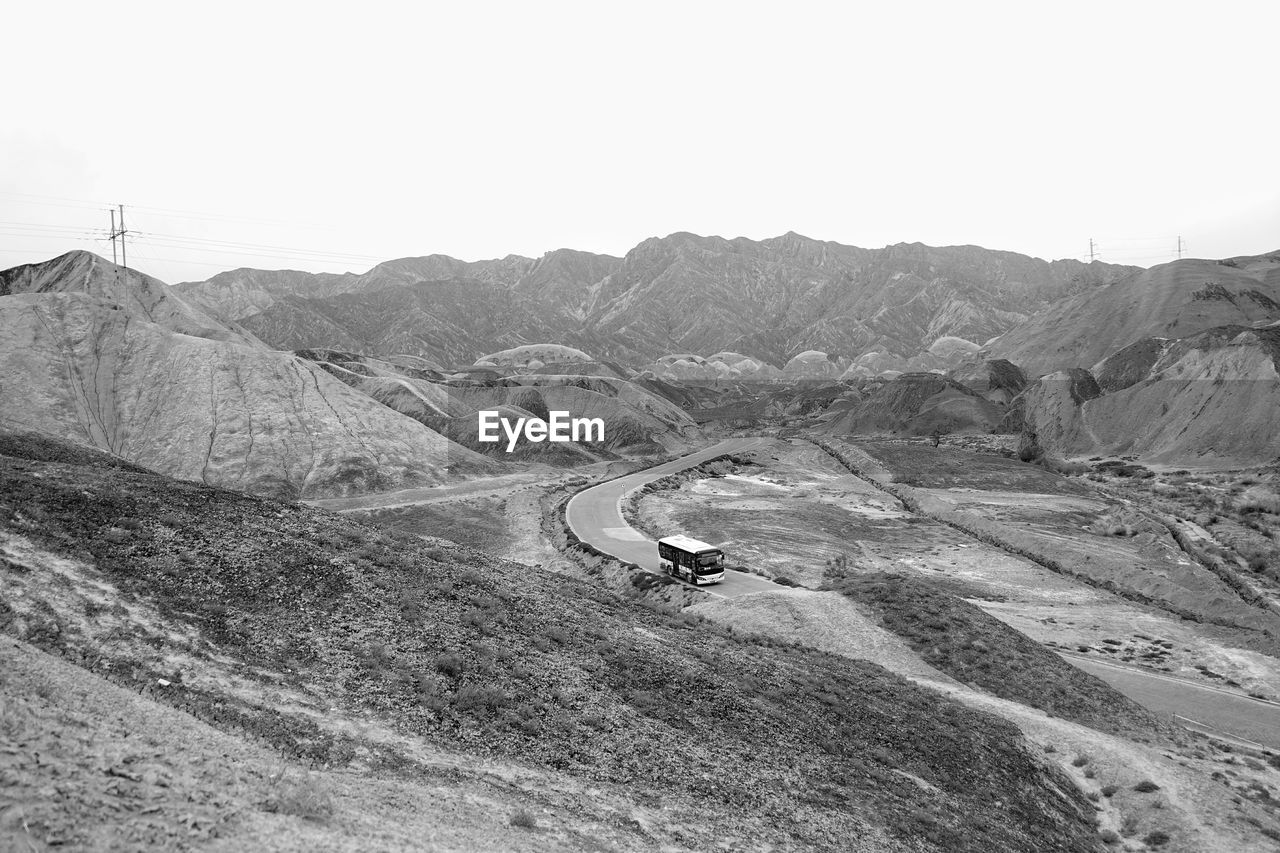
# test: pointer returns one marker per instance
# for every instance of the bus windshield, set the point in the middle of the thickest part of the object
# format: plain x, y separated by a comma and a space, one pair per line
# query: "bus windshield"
706, 560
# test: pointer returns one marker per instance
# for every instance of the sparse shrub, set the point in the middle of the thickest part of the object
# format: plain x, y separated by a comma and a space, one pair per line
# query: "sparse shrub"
1129, 826
1260, 504
305, 798
1156, 838
1062, 466
477, 619
524, 819
479, 696
1089, 773
450, 664
1109, 790
840, 562
1146, 786
12, 719
1110, 836
440, 588
1080, 761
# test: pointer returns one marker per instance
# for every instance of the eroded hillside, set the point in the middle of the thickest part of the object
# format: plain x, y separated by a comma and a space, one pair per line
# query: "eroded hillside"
377, 655
214, 411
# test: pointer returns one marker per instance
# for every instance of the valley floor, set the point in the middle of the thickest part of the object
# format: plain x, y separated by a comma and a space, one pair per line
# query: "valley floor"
801, 517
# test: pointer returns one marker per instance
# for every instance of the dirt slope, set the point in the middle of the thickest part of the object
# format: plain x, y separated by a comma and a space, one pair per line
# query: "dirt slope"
1177, 299
1208, 399
917, 404
215, 411
340, 645
134, 292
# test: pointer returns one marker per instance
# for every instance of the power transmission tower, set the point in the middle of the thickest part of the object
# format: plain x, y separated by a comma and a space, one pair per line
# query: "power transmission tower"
1092, 254
1179, 247
121, 232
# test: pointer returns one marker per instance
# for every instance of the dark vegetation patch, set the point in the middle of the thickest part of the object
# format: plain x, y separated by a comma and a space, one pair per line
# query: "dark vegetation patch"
974, 647
919, 464
482, 655
478, 522
36, 447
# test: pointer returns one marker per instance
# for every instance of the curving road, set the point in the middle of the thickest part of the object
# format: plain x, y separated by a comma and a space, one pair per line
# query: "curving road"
1202, 707
595, 517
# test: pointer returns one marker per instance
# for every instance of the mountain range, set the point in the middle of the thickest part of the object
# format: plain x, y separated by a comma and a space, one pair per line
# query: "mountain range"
113, 359
771, 300
291, 383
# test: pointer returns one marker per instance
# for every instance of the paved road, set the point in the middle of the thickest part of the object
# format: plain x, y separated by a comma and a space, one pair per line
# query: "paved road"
595, 517
1199, 706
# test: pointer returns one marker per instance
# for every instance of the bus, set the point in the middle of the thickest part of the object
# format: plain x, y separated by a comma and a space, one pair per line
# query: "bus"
690, 560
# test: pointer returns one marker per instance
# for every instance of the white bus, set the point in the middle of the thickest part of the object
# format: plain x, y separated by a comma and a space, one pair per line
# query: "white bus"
690, 560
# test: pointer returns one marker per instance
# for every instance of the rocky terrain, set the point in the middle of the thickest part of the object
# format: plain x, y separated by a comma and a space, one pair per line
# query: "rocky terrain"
638, 422
138, 294
768, 300
116, 360
1209, 399
979, 603
394, 660
1174, 300
216, 411
917, 404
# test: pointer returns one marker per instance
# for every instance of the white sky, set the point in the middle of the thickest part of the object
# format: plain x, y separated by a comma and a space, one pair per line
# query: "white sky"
347, 134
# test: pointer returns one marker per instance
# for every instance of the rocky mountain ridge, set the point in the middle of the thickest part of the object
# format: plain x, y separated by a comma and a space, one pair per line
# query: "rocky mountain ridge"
1173, 300
769, 300
1207, 399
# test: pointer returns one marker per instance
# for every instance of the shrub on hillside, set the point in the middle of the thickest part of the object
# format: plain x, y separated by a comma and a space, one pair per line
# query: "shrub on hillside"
974, 647
306, 798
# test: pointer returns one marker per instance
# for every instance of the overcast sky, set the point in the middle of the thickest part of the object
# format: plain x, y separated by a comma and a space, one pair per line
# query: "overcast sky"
303, 137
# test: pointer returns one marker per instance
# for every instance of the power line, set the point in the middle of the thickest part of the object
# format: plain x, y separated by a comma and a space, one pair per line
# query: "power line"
235, 245
89, 204
216, 217
55, 201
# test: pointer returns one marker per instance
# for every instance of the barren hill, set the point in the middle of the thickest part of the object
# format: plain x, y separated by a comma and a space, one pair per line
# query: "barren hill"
451, 321
637, 420
917, 404
775, 298
129, 368
141, 295
383, 658
769, 300
1174, 300
1210, 398
564, 277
